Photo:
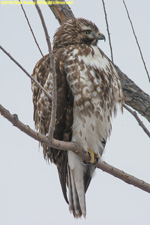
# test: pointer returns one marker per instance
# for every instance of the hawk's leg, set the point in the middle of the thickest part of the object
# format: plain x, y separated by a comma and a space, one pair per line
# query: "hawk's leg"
94, 157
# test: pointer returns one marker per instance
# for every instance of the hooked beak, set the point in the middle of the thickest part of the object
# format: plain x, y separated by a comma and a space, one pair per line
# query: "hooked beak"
100, 36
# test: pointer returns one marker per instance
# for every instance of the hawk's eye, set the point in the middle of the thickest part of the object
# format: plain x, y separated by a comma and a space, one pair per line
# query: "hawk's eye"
87, 31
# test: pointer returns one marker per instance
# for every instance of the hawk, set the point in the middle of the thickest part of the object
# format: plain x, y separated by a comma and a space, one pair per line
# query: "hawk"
88, 95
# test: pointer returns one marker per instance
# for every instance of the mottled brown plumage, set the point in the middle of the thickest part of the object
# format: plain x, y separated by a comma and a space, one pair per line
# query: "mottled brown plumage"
88, 92
42, 113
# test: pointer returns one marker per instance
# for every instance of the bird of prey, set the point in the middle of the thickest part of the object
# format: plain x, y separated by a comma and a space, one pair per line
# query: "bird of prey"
88, 95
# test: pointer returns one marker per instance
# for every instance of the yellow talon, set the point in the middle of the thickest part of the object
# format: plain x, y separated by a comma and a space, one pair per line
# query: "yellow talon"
93, 155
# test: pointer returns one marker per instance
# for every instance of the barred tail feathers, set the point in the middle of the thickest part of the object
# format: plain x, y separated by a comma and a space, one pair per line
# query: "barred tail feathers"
76, 170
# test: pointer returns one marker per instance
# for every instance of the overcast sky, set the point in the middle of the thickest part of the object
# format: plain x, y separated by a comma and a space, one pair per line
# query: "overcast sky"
30, 192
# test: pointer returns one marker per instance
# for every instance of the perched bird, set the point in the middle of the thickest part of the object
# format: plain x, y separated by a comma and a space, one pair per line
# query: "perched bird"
88, 95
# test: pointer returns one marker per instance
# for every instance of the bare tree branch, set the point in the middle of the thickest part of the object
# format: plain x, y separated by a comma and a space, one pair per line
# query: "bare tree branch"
34, 35
52, 64
125, 106
18, 64
54, 97
136, 40
141, 124
111, 51
134, 96
70, 146
62, 12
31, 28
127, 178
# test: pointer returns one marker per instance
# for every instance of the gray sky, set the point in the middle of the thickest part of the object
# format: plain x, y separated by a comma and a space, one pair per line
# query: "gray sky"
30, 192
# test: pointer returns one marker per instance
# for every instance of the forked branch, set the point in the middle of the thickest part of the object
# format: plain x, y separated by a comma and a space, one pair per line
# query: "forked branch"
141, 124
70, 146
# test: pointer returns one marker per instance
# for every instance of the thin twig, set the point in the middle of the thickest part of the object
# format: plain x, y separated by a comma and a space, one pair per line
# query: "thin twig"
70, 146
111, 51
52, 63
33, 34
137, 41
138, 119
31, 29
18, 64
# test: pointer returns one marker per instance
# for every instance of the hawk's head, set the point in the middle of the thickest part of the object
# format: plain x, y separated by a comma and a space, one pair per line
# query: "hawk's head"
77, 31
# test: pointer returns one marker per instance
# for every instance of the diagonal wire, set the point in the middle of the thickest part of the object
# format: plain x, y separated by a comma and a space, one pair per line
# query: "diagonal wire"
136, 40
111, 51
